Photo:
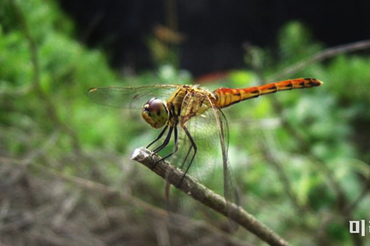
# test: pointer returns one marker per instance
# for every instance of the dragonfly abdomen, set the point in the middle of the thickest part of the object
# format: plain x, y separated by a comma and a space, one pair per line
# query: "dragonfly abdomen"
228, 96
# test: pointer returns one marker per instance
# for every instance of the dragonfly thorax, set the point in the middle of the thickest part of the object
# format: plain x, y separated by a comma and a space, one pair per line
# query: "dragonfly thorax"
155, 113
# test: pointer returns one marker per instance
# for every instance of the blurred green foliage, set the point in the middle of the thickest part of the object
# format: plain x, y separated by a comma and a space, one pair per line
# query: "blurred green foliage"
290, 152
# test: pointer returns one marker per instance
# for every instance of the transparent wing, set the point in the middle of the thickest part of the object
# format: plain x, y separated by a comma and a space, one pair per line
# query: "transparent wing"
230, 190
211, 165
130, 97
204, 167
204, 132
231, 193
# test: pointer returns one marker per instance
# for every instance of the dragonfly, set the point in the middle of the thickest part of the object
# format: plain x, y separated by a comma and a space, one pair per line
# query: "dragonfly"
192, 111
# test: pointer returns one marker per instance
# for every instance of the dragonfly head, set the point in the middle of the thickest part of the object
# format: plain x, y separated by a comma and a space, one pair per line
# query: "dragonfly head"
155, 113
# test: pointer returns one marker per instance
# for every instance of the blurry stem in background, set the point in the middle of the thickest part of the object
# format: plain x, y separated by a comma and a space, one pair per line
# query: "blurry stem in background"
283, 179
364, 192
109, 191
44, 148
304, 147
210, 199
325, 54
171, 14
51, 110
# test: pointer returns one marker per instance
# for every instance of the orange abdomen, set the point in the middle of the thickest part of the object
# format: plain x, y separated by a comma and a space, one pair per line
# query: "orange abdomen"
227, 96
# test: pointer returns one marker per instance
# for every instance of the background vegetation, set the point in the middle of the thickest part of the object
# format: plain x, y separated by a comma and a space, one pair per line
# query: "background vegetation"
300, 158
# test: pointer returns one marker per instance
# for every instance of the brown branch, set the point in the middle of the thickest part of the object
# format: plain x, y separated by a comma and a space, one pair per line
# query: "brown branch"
200, 193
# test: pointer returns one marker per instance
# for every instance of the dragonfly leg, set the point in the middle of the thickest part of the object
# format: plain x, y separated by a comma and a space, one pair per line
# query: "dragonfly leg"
186, 157
174, 151
193, 146
165, 142
176, 145
159, 136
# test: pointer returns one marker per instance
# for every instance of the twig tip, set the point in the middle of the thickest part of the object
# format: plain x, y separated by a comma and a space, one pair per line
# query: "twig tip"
140, 154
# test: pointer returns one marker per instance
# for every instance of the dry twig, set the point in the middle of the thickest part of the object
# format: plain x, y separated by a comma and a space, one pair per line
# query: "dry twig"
200, 193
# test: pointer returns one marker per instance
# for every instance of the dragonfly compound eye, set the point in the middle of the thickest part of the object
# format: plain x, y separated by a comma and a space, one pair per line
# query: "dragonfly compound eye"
155, 113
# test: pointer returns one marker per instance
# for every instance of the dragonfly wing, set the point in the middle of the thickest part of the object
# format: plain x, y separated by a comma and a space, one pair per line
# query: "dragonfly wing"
230, 190
130, 97
211, 136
